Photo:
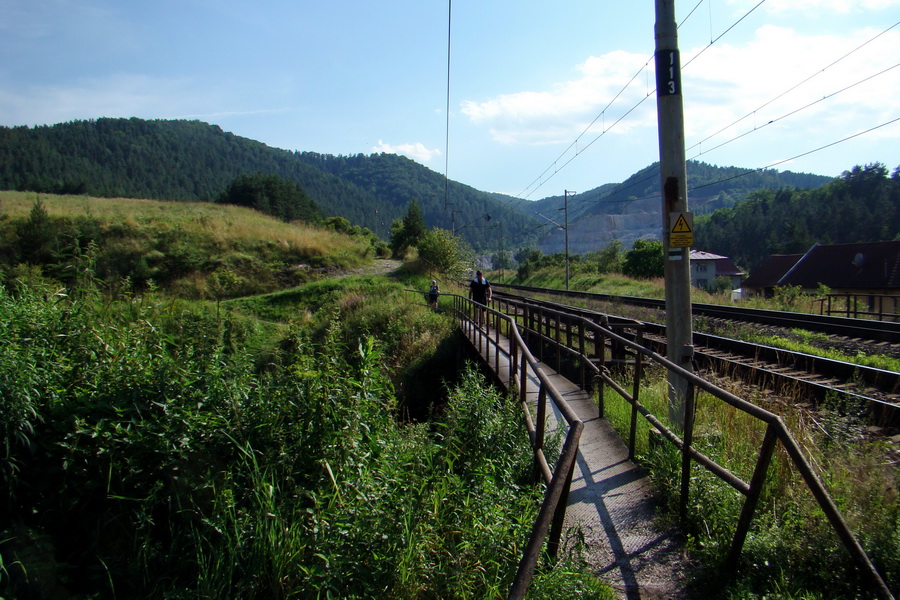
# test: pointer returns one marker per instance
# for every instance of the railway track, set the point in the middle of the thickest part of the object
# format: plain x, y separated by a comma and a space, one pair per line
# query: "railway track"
887, 332
810, 377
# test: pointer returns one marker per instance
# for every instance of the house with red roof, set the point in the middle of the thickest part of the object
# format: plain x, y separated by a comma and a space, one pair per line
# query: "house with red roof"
871, 268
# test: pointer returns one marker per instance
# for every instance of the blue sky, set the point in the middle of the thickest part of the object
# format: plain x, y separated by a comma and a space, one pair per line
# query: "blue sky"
540, 99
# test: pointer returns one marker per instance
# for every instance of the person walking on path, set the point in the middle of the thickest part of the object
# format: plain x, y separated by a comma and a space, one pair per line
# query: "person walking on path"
480, 292
433, 293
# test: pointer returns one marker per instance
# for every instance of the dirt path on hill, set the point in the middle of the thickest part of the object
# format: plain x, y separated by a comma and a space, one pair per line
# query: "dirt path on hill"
380, 266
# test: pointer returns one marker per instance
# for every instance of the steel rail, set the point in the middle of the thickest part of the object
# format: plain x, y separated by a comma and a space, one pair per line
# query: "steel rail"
882, 411
882, 331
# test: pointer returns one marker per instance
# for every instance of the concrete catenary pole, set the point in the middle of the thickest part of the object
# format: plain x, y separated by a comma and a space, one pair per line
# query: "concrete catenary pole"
566, 229
673, 181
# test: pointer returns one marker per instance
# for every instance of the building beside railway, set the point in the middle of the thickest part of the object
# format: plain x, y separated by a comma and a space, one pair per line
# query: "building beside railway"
863, 269
706, 267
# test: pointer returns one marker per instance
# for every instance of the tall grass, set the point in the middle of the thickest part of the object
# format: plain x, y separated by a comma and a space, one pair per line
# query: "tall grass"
791, 551
148, 454
196, 250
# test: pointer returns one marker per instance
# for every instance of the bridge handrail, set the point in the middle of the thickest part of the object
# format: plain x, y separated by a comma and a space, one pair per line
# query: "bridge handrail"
551, 515
776, 430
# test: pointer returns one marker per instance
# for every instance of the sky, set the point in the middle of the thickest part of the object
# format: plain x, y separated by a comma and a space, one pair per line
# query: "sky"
543, 96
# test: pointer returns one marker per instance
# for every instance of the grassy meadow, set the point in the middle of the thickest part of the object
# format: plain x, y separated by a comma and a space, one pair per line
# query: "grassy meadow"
316, 440
194, 250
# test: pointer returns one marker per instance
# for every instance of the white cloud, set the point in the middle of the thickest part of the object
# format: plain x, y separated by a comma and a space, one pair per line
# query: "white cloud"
730, 92
416, 151
805, 82
564, 111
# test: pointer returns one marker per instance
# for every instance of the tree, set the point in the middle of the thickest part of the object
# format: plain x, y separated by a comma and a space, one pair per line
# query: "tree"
38, 240
446, 252
272, 195
644, 260
409, 230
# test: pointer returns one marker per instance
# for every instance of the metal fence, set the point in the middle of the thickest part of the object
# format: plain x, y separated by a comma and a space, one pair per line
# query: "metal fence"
879, 307
483, 326
601, 346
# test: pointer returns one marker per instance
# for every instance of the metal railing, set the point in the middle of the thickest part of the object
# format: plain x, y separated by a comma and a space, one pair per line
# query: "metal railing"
588, 341
478, 322
880, 307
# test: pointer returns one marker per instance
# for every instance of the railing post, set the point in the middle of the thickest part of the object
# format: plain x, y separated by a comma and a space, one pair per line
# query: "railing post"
584, 385
689, 414
541, 331
497, 344
756, 486
513, 360
600, 349
558, 323
559, 516
635, 393
539, 427
523, 380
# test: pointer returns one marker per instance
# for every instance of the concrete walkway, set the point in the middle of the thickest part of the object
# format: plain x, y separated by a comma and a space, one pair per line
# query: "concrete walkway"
612, 499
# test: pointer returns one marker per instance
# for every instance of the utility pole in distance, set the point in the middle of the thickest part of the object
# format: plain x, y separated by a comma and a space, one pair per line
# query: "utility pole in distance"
566, 229
675, 215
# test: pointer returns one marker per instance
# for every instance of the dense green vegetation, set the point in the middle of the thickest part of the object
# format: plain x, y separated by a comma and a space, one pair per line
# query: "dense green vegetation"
863, 205
195, 161
157, 448
271, 195
196, 250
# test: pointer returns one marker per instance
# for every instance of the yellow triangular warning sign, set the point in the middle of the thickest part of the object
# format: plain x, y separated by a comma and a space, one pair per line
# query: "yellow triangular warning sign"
681, 225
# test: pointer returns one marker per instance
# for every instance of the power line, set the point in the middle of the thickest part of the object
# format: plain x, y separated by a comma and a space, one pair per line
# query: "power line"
580, 135
793, 112
540, 180
820, 148
721, 35
447, 131
685, 20
730, 178
792, 88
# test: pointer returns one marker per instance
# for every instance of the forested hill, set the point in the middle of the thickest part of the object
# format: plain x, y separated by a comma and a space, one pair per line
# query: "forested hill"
192, 160
709, 188
863, 205
630, 210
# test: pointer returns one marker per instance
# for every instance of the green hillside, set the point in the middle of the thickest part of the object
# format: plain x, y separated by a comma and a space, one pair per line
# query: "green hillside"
191, 249
709, 188
195, 161
863, 205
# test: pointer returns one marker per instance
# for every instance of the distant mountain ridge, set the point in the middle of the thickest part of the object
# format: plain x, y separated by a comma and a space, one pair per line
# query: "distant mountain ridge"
195, 161
632, 209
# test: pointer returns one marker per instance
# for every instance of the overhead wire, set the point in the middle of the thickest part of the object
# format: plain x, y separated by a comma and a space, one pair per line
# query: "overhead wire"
556, 167
795, 111
525, 193
586, 129
784, 160
447, 130
721, 35
792, 88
